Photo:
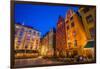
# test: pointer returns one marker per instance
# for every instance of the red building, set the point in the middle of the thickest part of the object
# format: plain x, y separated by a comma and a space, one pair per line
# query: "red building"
61, 42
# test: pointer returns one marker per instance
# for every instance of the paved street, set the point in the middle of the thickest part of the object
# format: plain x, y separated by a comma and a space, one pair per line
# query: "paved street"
43, 61
35, 61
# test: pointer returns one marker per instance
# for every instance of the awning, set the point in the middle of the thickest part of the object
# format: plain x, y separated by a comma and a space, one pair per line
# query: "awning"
90, 44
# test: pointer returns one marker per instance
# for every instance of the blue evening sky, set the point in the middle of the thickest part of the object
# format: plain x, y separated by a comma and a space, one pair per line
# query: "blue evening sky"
40, 17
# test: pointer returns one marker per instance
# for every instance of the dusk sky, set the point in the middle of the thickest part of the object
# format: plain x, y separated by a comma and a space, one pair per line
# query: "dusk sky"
40, 17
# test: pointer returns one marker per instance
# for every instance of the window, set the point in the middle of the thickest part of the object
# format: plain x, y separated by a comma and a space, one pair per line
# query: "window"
18, 43
36, 41
89, 18
69, 44
34, 33
21, 33
66, 21
71, 18
17, 47
74, 33
92, 32
22, 29
31, 47
67, 27
28, 36
75, 43
26, 46
20, 38
68, 37
30, 31
16, 31
38, 34
86, 9
72, 24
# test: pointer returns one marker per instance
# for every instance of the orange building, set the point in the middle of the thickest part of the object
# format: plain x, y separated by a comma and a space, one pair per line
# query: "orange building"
76, 35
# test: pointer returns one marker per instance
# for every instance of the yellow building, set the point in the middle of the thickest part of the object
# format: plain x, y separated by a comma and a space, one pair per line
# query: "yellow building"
48, 44
76, 36
27, 41
88, 15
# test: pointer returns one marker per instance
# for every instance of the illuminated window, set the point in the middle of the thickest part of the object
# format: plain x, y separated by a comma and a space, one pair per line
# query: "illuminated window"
89, 18
21, 32
20, 38
28, 36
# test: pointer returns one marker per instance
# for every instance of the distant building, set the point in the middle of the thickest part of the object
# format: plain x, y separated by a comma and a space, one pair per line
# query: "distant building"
48, 44
27, 40
61, 40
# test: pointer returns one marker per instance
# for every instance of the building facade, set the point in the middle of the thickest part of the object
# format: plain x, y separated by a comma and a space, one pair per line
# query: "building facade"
48, 44
88, 16
27, 41
70, 35
61, 42
76, 35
